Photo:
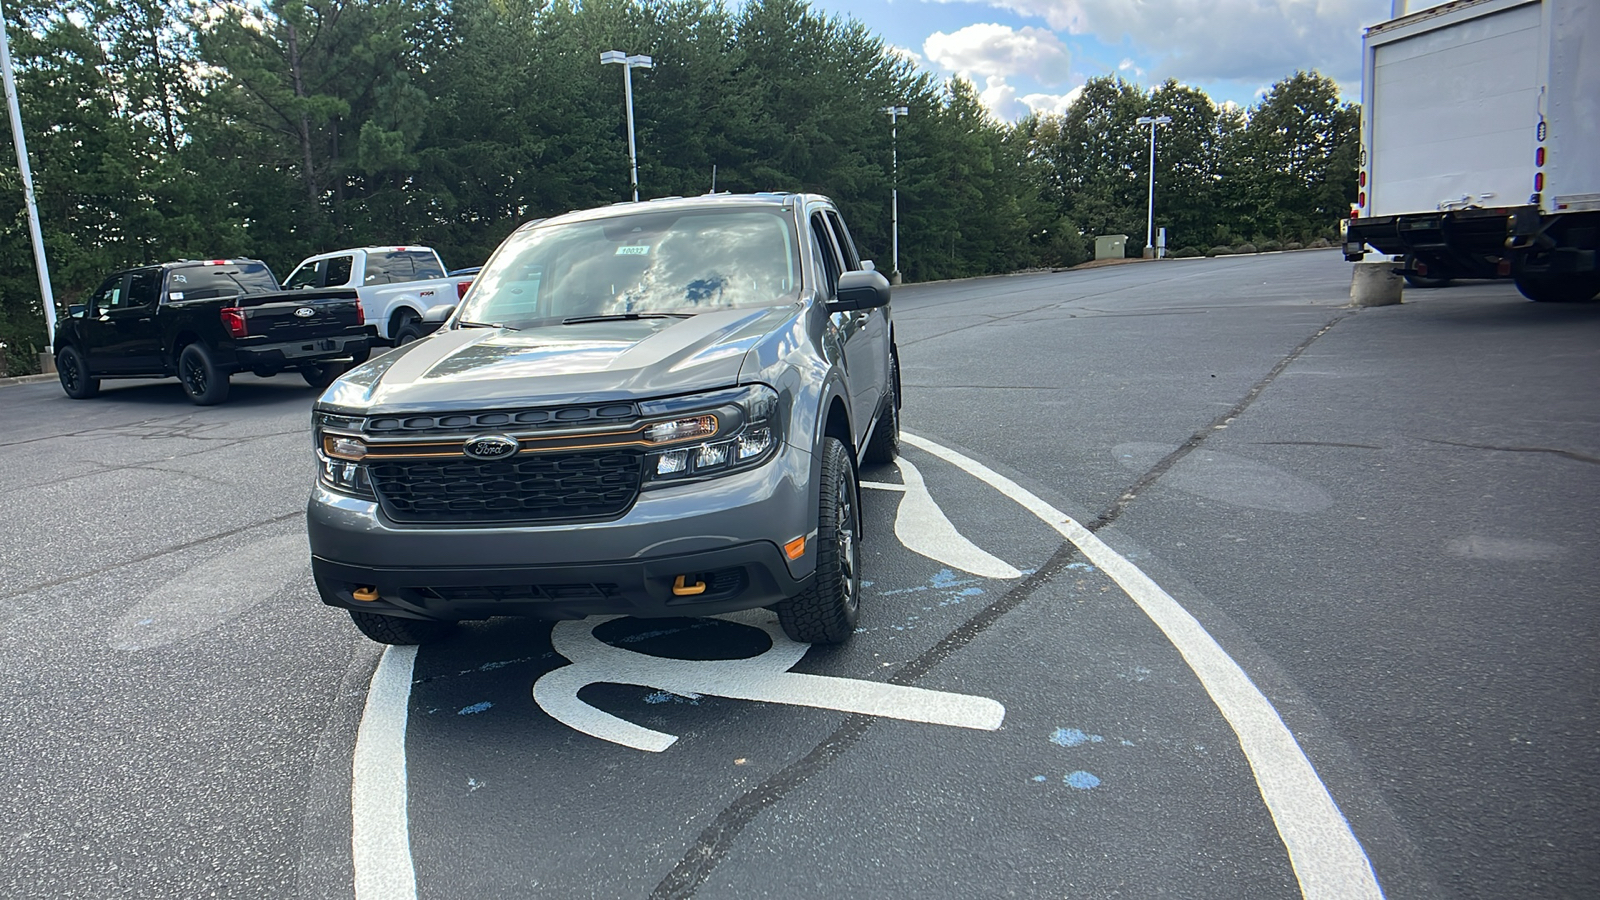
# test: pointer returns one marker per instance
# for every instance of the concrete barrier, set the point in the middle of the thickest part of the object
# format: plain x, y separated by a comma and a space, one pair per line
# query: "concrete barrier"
1375, 284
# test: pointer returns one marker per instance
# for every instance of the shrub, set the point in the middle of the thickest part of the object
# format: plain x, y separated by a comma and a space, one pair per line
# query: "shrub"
1245, 248
1187, 253
1318, 244
1219, 251
1292, 245
1269, 246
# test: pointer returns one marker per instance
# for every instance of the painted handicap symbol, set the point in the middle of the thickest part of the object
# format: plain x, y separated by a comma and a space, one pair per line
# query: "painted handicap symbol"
764, 678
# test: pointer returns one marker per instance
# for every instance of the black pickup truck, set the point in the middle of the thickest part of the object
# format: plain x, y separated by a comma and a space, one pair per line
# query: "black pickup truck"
204, 320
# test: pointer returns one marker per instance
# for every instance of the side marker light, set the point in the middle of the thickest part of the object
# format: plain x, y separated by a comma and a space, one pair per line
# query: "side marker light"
795, 548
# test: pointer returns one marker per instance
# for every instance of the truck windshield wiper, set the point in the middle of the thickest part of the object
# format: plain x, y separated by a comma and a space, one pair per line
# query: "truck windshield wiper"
466, 324
619, 317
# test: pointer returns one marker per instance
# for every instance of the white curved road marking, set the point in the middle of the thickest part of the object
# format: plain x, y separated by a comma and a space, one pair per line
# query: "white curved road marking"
380, 835
924, 529
764, 678
1328, 860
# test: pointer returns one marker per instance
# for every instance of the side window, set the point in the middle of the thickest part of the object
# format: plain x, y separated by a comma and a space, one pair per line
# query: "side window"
338, 273
110, 294
830, 256
841, 236
303, 277
144, 288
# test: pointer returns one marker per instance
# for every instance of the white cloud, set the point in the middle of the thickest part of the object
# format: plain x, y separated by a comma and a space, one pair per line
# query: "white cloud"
988, 50
1054, 104
906, 54
1203, 40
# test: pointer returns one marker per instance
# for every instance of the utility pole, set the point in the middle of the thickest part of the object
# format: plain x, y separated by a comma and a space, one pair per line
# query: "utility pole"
895, 112
39, 263
629, 63
1150, 224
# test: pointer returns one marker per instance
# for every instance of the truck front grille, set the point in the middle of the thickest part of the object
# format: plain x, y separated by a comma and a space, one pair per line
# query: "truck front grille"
532, 488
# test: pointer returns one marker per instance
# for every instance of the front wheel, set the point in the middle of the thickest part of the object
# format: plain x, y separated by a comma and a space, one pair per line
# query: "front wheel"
204, 382
395, 630
826, 612
73, 371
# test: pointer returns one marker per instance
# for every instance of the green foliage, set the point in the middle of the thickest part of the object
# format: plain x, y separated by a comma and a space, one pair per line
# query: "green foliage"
1187, 253
161, 129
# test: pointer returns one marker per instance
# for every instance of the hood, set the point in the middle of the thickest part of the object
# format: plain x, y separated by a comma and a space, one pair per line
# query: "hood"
484, 368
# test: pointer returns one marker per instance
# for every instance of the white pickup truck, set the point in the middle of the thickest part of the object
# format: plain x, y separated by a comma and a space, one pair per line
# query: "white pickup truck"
398, 286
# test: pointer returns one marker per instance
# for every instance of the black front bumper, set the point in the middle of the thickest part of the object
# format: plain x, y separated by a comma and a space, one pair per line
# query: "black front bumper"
745, 576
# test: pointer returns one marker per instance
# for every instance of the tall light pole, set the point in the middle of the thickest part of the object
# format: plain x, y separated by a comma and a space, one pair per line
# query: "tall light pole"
1150, 224
628, 64
895, 112
27, 192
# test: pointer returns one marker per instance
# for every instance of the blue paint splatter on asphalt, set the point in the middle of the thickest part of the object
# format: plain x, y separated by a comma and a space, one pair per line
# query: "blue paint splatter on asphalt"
1082, 780
669, 697
1040, 778
972, 592
1072, 737
475, 708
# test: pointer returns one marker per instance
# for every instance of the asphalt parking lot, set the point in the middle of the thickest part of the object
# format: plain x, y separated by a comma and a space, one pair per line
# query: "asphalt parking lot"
1192, 582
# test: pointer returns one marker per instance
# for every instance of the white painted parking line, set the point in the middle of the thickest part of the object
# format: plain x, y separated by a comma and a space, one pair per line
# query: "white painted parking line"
380, 834
1328, 860
763, 678
924, 529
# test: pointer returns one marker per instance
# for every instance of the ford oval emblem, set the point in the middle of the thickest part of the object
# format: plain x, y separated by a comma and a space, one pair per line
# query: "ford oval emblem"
305, 312
491, 446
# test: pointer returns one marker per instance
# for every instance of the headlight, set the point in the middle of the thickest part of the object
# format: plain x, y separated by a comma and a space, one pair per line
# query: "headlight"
340, 466
742, 430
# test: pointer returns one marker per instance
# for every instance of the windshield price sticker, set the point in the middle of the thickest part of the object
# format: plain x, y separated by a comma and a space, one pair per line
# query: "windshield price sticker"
634, 250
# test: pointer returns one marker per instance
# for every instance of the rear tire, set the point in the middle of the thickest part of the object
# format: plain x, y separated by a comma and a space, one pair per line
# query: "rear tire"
320, 375
884, 447
395, 630
203, 381
1555, 289
1422, 281
73, 371
408, 333
826, 612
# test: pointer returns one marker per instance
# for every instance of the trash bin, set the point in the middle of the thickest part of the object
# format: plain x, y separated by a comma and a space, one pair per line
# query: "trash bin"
1110, 246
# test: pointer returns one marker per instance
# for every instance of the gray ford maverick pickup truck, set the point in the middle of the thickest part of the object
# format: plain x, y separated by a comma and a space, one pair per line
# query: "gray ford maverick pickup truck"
648, 409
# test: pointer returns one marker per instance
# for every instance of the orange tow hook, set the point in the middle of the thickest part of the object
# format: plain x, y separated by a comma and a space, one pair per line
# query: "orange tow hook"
682, 588
365, 594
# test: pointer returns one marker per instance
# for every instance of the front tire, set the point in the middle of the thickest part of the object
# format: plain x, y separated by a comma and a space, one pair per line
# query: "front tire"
826, 612
395, 630
1555, 289
73, 371
204, 382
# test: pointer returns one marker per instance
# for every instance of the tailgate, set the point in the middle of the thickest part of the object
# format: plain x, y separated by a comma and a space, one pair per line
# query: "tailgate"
301, 315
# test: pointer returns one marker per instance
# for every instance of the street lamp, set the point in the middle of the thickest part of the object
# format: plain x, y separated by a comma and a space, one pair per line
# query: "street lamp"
895, 112
1150, 224
629, 63
47, 361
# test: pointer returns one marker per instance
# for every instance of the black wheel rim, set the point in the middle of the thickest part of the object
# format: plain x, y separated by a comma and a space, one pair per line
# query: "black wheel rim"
844, 530
194, 375
69, 373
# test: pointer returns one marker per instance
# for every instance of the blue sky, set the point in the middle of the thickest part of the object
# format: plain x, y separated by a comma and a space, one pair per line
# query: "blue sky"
1033, 54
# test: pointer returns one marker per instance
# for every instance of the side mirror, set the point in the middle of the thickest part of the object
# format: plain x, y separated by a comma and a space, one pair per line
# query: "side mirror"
439, 313
862, 289
77, 310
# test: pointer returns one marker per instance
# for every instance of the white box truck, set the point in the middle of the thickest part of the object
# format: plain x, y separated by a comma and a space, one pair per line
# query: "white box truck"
1480, 145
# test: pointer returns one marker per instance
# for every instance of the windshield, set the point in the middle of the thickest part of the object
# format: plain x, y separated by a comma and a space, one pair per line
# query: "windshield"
655, 262
205, 281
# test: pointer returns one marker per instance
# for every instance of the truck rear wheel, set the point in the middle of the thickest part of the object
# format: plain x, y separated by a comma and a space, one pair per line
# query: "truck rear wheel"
1571, 288
395, 630
320, 375
884, 445
204, 382
1417, 280
74, 374
826, 612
